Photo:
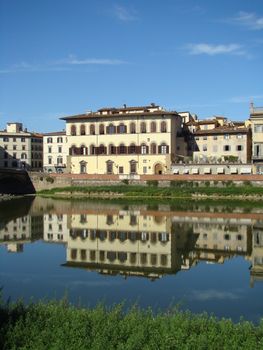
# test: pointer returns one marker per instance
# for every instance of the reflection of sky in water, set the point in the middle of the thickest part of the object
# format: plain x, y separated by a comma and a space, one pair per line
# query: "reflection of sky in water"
222, 289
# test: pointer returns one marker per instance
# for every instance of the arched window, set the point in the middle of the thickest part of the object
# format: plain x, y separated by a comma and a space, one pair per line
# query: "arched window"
163, 149
83, 150
82, 129
153, 127
153, 148
109, 167
49, 140
133, 167
144, 149
73, 130
132, 149
112, 149
102, 149
23, 156
101, 129
122, 149
143, 127
72, 150
92, 129
132, 128
111, 129
121, 129
92, 149
163, 126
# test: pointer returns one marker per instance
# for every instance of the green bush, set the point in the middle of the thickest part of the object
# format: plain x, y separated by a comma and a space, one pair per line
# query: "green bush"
58, 325
50, 179
153, 183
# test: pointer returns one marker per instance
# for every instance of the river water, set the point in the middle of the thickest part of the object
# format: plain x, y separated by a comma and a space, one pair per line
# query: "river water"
198, 257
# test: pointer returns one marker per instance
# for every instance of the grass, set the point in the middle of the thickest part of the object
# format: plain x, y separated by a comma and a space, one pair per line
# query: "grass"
136, 191
57, 325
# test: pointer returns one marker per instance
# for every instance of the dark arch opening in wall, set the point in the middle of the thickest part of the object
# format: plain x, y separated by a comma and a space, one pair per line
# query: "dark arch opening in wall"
16, 184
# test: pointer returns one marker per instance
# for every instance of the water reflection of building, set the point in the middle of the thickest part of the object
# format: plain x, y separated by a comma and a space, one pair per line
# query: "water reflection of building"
126, 243
256, 271
21, 230
55, 228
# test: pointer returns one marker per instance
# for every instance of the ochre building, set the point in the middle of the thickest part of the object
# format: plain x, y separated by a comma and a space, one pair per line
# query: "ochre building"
128, 140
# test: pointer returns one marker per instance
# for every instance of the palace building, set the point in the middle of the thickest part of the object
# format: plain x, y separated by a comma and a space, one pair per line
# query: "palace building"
128, 140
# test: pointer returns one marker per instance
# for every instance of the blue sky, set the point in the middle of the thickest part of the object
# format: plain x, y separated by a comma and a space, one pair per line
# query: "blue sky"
63, 57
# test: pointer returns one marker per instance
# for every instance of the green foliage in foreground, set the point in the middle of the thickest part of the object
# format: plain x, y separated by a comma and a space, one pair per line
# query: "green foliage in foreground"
57, 325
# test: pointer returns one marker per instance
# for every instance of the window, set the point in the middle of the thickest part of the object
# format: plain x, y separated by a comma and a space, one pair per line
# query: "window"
163, 149
226, 136
6, 147
258, 128
112, 149
153, 148
101, 129
111, 129
92, 129
153, 127
49, 149
204, 148
49, 140
122, 129
14, 147
163, 126
227, 148
239, 136
205, 138
23, 148
14, 155
143, 149
102, 149
59, 160
59, 149
14, 139
133, 167
122, 149
59, 140
83, 167
132, 128
82, 129
145, 169
121, 170
23, 139
23, 156
239, 148
49, 160
109, 167
92, 150
73, 131
132, 149
143, 127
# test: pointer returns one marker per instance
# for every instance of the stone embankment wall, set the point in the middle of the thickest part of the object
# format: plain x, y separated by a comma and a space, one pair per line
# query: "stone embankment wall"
48, 181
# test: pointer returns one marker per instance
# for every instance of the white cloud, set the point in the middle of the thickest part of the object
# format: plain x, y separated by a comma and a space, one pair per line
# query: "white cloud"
212, 50
124, 14
65, 64
249, 20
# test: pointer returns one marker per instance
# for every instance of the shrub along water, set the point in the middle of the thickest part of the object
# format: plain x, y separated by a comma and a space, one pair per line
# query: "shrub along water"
57, 325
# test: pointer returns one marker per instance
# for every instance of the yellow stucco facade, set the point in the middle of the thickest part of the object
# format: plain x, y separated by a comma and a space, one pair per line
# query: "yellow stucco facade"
122, 141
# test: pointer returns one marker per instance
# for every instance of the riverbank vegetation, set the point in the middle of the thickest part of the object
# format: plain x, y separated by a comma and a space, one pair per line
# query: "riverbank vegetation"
182, 189
57, 325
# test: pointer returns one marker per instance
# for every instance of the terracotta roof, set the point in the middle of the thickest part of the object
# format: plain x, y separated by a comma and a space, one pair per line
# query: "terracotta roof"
208, 121
96, 115
127, 108
223, 130
55, 133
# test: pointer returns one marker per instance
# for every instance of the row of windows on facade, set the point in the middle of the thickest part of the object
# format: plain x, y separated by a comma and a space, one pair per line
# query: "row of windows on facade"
59, 139
23, 155
215, 137
109, 168
21, 139
59, 149
16, 147
226, 148
120, 256
122, 236
227, 237
59, 160
120, 129
15, 164
121, 149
